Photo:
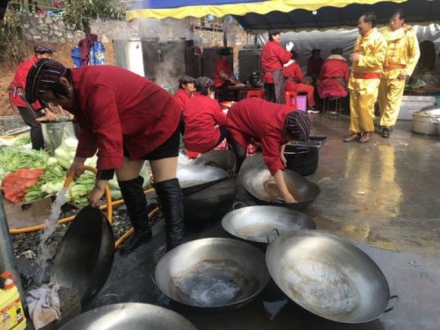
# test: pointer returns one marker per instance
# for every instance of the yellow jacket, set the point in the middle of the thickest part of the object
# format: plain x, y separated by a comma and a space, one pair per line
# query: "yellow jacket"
402, 49
372, 49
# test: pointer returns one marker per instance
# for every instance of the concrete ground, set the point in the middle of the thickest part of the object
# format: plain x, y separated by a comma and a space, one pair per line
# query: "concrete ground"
383, 196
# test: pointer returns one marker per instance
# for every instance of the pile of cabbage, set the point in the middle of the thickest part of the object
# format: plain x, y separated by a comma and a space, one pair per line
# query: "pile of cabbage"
13, 158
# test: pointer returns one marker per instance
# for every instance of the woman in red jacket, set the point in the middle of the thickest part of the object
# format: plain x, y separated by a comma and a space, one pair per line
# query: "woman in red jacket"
127, 120
273, 125
204, 119
294, 78
186, 90
273, 56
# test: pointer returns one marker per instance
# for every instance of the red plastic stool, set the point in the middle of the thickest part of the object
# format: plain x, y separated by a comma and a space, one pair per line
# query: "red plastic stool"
291, 101
255, 93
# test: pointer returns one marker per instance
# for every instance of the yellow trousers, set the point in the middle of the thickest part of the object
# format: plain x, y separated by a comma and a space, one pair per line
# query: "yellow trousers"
362, 107
390, 95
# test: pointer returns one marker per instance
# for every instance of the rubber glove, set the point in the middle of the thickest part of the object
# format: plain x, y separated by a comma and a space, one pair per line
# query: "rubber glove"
289, 46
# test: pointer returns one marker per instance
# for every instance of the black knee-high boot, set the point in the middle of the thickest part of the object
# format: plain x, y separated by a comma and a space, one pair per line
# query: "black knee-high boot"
137, 210
170, 200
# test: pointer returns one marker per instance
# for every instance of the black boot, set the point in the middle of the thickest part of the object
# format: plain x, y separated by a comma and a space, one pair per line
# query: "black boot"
170, 200
137, 210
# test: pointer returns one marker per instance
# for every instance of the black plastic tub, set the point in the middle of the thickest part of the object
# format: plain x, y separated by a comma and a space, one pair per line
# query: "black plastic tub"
303, 157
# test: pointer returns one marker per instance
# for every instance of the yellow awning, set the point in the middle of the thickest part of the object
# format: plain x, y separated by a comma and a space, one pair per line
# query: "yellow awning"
144, 9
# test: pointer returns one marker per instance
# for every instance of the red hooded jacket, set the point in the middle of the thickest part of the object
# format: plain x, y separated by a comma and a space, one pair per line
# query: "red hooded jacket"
273, 56
20, 81
203, 116
264, 122
118, 109
334, 67
293, 75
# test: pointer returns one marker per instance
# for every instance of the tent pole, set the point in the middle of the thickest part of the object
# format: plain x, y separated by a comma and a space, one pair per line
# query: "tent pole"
225, 34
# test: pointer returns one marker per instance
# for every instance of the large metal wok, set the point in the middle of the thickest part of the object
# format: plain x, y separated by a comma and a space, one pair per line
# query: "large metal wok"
212, 273
253, 223
129, 316
261, 185
224, 159
85, 255
211, 202
194, 178
328, 276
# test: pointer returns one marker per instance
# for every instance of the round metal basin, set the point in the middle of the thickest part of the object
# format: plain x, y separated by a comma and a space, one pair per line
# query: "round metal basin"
85, 255
194, 178
129, 316
207, 204
212, 273
254, 223
224, 159
328, 276
261, 185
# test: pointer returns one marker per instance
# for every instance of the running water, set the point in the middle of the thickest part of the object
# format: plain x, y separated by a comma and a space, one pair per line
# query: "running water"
46, 250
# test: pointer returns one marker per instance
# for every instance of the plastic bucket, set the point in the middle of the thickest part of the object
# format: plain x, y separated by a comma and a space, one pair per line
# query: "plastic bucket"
55, 133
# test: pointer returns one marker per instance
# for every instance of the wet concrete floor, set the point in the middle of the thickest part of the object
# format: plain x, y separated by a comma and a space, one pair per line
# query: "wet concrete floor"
383, 196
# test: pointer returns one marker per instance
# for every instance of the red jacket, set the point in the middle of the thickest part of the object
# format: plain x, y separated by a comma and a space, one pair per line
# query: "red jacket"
273, 56
334, 67
293, 75
314, 66
202, 116
118, 109
181, 97
20, 81
264, 122
221, 65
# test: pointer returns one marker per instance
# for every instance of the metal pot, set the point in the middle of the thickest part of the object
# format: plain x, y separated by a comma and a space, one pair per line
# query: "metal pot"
85, 254
422, 120
328, 276
129, 316
261, 185
214, 273
213, 201
253, 223
224, 159
194, 178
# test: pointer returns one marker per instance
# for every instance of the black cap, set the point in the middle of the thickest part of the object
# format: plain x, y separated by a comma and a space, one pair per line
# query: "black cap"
273, 32
42, 49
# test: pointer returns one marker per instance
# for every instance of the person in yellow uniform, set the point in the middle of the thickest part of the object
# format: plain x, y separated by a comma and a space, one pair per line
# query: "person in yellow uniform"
400, 61
367, 64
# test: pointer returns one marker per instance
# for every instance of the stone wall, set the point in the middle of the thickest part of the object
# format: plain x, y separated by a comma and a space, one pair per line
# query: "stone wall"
39, 27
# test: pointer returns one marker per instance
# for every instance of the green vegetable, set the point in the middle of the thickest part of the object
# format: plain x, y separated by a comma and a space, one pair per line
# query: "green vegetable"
13, 158
22, 140
52, 178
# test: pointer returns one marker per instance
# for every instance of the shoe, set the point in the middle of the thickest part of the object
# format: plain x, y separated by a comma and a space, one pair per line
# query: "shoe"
137, 209
170, 199
138, 238
366, 137
312, 110
385, 132
352, 137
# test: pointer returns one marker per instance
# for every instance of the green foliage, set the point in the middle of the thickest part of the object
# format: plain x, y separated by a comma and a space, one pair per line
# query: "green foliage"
79, 12
12, 44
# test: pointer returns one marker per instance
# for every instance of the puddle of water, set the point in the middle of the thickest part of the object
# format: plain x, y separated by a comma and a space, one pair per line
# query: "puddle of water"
46, 250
